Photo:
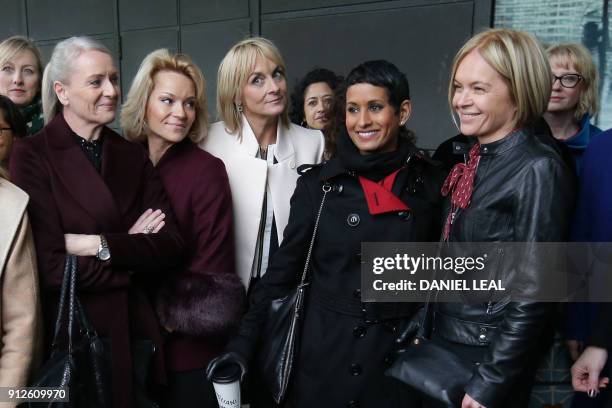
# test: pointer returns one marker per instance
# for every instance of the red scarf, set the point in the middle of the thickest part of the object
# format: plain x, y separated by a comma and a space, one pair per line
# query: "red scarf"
379, 196
460, 182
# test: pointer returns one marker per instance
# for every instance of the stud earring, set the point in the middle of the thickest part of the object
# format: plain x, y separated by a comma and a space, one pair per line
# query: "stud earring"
239, 107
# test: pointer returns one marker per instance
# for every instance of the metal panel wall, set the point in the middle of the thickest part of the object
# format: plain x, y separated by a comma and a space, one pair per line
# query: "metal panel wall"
420, 36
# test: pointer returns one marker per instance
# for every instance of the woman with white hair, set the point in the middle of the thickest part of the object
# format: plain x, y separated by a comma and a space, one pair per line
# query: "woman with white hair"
95, 195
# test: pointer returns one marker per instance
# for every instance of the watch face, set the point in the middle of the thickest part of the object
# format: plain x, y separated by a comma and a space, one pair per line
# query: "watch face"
104, 254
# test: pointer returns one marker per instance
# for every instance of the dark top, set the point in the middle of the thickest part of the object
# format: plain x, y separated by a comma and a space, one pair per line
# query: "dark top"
92, 150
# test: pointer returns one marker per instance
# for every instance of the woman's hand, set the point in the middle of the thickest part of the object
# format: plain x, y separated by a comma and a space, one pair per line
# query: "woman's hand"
150, 222
82, 244
469, 402
586, 370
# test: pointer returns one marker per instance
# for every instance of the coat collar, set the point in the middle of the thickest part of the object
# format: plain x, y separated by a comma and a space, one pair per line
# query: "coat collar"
284, 146
94, 192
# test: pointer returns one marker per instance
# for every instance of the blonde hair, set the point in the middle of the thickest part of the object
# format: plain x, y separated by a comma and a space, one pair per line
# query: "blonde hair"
570, 55
134, 109
233, 74
15, 45
60, 68
521, 61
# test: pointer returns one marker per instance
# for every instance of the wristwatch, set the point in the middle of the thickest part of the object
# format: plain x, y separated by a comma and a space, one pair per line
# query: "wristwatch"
103, 251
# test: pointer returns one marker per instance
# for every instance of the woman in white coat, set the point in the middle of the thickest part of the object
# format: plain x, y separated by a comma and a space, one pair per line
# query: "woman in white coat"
260, 148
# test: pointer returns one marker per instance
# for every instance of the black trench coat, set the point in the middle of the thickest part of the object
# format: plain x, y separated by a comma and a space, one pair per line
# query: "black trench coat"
346, 345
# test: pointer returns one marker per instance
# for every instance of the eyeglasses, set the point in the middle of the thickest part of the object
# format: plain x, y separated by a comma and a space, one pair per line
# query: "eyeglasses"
568, 80
3, 130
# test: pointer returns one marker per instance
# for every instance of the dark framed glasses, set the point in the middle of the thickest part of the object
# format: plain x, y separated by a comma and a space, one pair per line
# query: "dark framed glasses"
568, 80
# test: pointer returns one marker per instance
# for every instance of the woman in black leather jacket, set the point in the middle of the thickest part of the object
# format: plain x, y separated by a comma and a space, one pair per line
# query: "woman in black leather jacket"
513, 188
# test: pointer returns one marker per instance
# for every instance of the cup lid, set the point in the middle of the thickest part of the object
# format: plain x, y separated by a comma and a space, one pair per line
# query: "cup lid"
226, 373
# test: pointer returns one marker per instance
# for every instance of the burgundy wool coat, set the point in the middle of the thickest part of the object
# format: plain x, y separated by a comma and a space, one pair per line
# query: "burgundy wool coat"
67, 195
203, 301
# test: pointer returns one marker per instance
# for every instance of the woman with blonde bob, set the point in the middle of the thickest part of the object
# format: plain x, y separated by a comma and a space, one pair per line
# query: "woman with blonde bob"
574, 100
513, 188
261, 149
202, 301
21, 71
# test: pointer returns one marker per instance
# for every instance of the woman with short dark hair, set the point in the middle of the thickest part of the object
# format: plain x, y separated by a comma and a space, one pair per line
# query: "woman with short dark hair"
345, 366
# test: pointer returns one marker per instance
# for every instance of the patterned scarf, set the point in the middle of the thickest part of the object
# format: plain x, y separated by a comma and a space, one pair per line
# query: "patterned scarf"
460, 182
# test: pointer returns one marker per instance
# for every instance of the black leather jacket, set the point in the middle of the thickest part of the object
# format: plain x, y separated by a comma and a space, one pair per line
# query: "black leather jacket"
523, 192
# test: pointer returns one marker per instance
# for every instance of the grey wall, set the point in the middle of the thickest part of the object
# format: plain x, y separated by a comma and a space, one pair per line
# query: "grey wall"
420, 36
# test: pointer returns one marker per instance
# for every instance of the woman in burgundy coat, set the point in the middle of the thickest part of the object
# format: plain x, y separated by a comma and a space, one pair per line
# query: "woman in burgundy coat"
88, 189
201, 304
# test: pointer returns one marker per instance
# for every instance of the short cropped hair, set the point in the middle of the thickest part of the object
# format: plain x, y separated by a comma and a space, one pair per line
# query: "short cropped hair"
134, 109
521, 61
576, 56
233, 74
386, 75
60, 68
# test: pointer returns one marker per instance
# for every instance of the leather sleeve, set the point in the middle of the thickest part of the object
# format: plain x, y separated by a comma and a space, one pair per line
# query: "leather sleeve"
285, 269
21, 324
543, 207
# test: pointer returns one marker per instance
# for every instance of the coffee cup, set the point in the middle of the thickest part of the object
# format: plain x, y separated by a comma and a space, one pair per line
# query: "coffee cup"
226, 380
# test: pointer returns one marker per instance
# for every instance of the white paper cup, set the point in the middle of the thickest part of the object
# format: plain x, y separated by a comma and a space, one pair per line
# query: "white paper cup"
226, 380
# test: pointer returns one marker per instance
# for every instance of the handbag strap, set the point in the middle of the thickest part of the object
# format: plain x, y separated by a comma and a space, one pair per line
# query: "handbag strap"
326, 189
424, 328
63, 299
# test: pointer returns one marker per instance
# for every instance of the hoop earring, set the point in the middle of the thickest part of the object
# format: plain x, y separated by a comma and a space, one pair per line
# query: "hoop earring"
239, 107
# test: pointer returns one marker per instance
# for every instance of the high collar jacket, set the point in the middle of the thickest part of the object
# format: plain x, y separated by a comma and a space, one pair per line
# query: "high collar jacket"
68, 195
247, 174
523, 192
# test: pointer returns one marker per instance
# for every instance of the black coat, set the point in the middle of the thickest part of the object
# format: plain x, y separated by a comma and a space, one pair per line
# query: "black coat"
346, 345
523, 192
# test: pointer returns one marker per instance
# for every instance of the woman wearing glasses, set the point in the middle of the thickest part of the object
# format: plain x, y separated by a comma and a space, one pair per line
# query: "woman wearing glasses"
573, 101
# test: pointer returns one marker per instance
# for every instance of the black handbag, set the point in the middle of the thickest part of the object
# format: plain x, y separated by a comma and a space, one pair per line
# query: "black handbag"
431, 369
282, 330
82, 367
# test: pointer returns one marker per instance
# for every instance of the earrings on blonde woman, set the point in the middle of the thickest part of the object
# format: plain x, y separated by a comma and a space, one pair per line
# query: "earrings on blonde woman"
239, 107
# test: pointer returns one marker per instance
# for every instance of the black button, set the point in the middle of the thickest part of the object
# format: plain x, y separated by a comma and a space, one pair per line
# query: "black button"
359, 332
337, 188
353, 220
356, 369
357, 293
352, 404
388, 361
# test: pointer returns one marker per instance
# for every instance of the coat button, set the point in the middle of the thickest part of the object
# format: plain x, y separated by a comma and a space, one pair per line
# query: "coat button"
359, 332
352, 404
357, 293
353, 220
388, 361
355, 369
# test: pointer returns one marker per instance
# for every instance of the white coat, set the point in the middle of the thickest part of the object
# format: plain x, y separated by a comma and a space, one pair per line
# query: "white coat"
247, 177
